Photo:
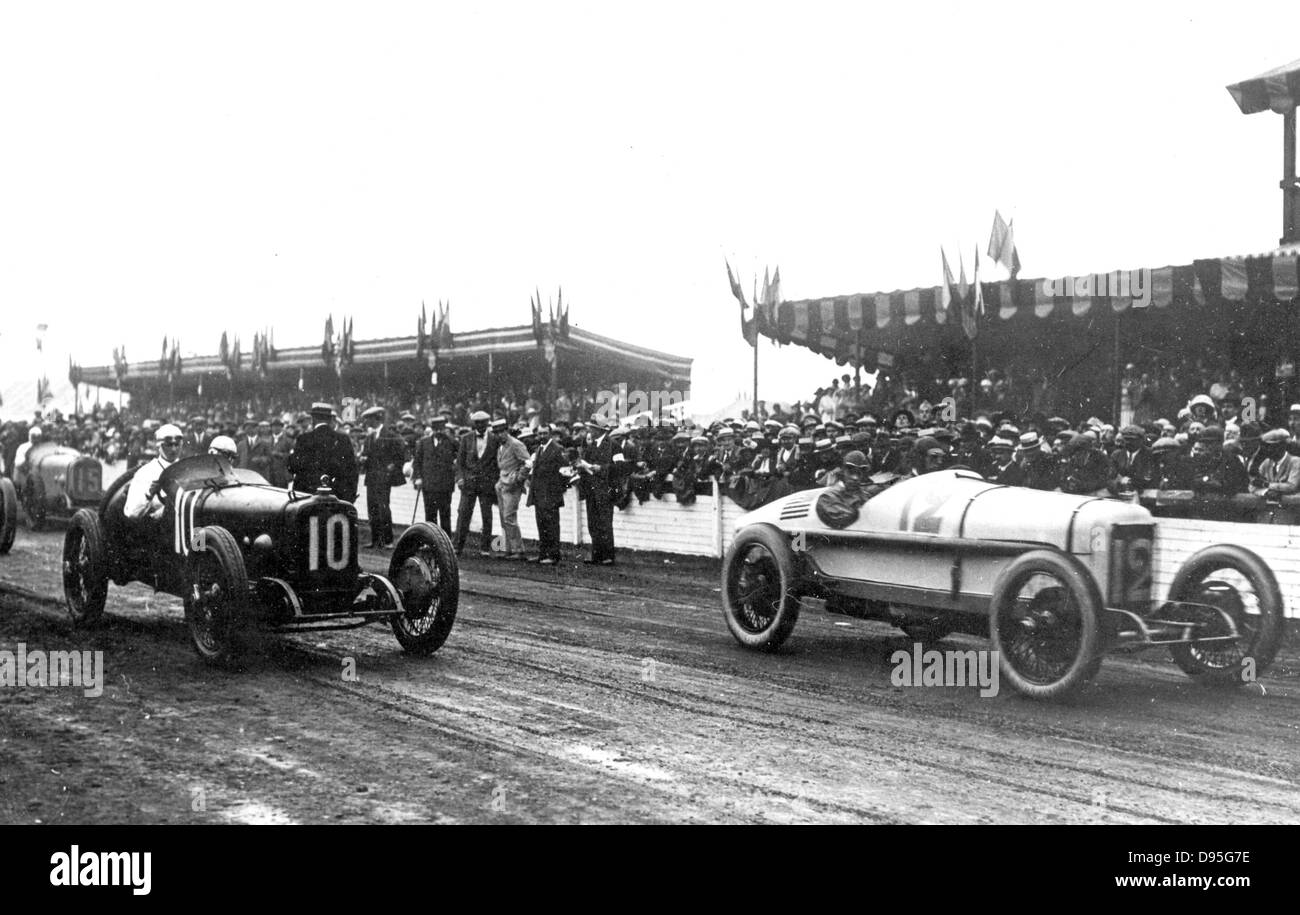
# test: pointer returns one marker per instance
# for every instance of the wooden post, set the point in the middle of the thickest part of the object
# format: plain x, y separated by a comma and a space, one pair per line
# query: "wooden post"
754, 410
1118, 400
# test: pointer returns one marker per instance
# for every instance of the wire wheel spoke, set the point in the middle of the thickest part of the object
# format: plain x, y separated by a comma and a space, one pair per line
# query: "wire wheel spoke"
1042, 629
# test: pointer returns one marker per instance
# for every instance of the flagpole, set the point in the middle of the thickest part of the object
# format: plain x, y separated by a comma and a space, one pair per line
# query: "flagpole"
754, 409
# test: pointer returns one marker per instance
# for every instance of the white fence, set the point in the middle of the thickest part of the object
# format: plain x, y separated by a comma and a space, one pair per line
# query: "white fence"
706, 529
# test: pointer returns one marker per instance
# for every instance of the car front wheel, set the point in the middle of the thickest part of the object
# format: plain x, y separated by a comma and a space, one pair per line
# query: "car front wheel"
216, 601
760, 595
427, 578
1044, 622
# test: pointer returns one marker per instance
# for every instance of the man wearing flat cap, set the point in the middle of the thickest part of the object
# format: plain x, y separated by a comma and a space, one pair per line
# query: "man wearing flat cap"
1130, 463
433, 473
320, 451
382, 457
477, 473
1279, 474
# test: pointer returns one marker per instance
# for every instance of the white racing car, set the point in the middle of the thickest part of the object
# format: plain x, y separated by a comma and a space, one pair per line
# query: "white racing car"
1055, 580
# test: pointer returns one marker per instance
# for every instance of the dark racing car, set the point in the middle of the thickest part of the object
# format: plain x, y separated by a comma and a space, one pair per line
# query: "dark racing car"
242, 553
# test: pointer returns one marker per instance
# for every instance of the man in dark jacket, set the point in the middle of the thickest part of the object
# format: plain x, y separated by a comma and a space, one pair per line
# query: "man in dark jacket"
382, 458
323, 452
546, 494
434, 473
1131, 467
597, 456
477, 473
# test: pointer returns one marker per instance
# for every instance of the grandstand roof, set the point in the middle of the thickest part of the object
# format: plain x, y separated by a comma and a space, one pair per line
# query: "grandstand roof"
475, 344
846, 327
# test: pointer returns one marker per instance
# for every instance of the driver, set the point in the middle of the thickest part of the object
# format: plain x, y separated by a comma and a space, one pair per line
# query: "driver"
142, 496
34, 437
839, 505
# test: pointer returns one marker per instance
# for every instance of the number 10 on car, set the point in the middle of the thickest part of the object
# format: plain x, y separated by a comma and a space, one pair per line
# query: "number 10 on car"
337, 544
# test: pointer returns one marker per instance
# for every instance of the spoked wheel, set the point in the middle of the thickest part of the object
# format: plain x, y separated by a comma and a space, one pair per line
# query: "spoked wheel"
759, 595
1239, 583
34, 502
1044, 624
85, 568
8, 514
427, 578
216, 600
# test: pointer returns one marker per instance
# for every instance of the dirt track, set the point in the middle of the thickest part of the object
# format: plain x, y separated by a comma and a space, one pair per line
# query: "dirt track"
571, 695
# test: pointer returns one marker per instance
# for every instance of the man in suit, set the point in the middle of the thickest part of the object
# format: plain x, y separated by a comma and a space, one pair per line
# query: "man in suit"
382, 464
194, 441
321, 451
433, 473
547, 494
511, 458
1002, 467
477, 474
595, 467
1280, 471
281, 445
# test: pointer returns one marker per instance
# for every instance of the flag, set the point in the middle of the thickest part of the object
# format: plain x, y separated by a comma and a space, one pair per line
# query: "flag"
963, 288
235, 356
444, 326
40, 337
972, 305
162, 359
1002, 244
536, 302
346, 350
748, 328
946, 291
43, 391
327, 344
224, 349
421, 339
564, 316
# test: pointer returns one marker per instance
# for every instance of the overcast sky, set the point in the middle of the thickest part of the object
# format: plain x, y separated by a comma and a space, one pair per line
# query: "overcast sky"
186, 168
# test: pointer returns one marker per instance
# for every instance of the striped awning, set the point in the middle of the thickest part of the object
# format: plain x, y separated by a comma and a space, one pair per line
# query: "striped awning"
1277, 90
857, 328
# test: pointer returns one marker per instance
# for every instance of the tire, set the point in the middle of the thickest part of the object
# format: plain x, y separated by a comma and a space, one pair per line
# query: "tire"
426, 575
1048, 642
85, 568
8, 514
216, 602
1199, 580
34, 502
760, 588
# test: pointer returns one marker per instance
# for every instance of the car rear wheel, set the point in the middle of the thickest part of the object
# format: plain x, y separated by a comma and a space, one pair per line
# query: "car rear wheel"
8, 514
85, 568
1239, 583
216, 602
760, 596
34, 502
427, 578
1044, 622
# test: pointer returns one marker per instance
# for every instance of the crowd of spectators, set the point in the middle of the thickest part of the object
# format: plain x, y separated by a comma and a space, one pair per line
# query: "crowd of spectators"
1185, 425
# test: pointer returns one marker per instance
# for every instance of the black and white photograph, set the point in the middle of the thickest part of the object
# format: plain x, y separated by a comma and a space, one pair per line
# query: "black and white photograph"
698, 413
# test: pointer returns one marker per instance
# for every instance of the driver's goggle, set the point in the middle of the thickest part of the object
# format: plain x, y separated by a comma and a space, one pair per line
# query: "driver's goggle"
171, 441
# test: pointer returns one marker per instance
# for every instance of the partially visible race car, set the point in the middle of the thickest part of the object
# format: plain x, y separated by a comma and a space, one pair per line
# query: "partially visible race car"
242, 553
1055, 580
52, 482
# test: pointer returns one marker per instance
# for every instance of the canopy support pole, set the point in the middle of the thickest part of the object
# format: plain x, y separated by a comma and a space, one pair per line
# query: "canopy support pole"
1290, 187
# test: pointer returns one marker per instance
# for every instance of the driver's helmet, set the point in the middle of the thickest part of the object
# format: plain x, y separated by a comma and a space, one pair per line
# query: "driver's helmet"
224, 445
